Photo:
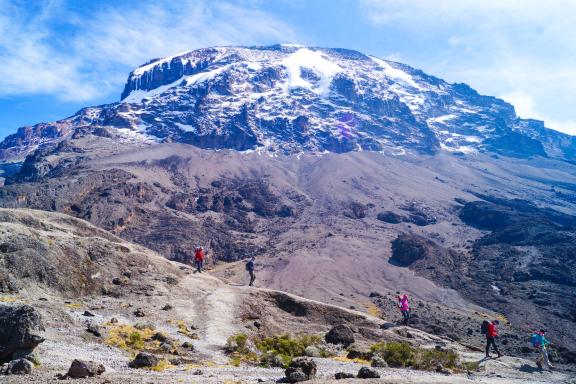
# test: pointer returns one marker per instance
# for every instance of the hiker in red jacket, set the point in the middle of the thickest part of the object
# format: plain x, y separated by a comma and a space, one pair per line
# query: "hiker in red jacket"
199, 258
491, 335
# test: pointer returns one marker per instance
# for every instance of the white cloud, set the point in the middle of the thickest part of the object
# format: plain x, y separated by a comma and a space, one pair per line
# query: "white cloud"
523, 49
36, 57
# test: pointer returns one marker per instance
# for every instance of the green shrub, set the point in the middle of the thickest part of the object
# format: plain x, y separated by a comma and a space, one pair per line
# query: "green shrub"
429, 359
395, 354
237, 347
237, 343
285, 346
135, 340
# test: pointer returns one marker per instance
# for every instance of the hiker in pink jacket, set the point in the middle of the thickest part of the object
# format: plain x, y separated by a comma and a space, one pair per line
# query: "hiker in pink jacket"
404, 306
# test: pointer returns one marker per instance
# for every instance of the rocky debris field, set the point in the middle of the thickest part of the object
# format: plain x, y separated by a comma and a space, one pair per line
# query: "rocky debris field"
193, 327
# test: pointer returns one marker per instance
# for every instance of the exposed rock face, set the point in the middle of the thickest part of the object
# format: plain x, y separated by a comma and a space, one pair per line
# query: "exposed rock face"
20, 326
406, 249
59, 252
81, 369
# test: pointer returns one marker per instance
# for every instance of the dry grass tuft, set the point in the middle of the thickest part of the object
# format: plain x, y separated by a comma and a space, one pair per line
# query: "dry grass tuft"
129, 338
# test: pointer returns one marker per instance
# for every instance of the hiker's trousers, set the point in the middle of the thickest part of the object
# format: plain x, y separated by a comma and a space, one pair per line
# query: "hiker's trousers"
543, 357
491, 341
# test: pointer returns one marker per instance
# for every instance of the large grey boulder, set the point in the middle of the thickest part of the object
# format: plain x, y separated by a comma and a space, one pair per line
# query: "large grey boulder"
368, 373
80, 369
20, 326
144, 360
301, 369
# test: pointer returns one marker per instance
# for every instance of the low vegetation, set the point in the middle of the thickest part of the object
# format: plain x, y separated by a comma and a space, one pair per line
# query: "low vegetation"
130, 338
239, 350
429, 359
401, 355
286, 347
395, 354
278, 350
161, 366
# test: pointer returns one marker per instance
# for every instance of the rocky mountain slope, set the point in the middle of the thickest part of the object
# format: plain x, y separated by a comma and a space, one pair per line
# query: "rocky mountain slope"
344, 174
291, 99
134, 301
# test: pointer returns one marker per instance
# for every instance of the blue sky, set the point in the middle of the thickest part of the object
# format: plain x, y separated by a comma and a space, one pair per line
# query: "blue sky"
57, 56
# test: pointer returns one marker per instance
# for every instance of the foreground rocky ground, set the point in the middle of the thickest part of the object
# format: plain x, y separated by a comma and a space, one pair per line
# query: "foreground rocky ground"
102, 299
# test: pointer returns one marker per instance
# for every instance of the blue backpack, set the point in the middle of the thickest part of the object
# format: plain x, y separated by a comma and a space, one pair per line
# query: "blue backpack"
535, 340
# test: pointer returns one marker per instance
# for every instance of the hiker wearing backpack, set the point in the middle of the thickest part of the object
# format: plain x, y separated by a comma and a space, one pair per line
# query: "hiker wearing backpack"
490, 329
199, 258
541, 343
250, 269
404, 306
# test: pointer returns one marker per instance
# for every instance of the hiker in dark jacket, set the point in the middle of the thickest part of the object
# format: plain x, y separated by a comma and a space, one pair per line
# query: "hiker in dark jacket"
250, 269
491, 335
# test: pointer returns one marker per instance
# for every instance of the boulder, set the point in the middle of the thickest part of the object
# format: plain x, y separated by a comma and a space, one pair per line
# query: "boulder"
368, 373
188, 345
144, 359
312, 351
343, 375
378, 362
93, 329
340, 334
139, 312
294, 375
301, 369
354, 352
19, 328
159, 336
80, 369
19, 367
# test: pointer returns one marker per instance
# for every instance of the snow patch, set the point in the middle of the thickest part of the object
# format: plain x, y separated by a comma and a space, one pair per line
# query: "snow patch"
185, 127
316, 61
395, 73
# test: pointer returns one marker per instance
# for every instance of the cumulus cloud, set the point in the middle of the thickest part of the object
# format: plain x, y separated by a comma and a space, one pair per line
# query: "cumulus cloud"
521, 49
55, 48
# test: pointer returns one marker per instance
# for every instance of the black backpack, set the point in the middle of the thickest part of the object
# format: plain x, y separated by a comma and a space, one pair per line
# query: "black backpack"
484, 327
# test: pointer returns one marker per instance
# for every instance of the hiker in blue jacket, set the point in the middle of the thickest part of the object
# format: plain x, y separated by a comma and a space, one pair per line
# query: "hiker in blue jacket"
541, 343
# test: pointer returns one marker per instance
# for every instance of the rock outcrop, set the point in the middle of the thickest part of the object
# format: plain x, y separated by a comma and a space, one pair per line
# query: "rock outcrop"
20, 328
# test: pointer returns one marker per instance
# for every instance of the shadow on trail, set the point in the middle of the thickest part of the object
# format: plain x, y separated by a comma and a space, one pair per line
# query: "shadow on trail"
529, 369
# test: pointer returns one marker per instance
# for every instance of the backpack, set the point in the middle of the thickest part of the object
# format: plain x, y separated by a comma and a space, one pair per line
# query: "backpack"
249, 265
535, 340
484, 327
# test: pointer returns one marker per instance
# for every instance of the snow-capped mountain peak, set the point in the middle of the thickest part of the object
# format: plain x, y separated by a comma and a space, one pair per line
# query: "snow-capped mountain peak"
291, 98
